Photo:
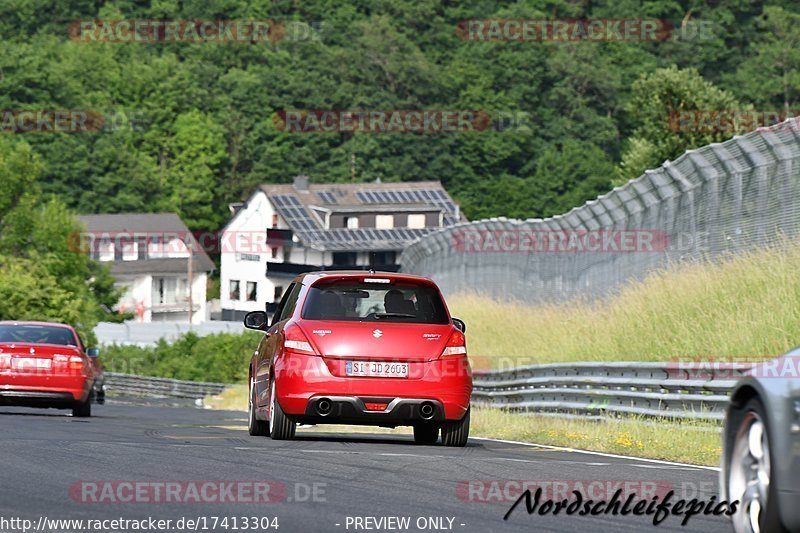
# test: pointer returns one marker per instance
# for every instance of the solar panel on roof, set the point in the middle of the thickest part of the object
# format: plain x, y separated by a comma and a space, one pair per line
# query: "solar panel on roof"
327, 197
293, 212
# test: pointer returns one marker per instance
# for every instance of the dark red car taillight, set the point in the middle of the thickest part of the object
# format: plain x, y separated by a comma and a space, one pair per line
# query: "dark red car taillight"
456, 345
295, 341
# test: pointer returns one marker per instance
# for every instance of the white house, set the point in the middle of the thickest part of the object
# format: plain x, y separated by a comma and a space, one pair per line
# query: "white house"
286, 229
149, 255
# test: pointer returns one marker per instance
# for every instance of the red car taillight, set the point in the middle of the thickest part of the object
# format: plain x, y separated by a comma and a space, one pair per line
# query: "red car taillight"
456, 345
68, 362
295, 341
76, 362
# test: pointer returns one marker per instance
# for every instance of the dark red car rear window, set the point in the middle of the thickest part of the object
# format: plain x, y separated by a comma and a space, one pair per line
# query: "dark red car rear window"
375, 302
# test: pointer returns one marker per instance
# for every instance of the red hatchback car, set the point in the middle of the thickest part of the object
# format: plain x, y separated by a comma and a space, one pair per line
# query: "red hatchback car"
45, 364
361, 348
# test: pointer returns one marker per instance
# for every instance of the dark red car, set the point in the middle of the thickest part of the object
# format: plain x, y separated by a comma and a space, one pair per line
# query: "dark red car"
361, 348
44, 364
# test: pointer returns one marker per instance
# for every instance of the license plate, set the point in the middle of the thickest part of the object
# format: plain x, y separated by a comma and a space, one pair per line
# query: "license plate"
30, 363
376, 369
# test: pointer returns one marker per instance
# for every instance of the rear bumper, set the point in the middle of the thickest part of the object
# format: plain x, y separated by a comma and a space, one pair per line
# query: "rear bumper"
303, 380
353, 410
62, 400
39, 390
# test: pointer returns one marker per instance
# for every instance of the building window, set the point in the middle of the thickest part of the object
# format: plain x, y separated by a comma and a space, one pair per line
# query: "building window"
176, 248
155, 248
252, 289
351, 222
382, 259
169, 291
416, 221
105, 251
130, 251
234, 290
274, 220
384, 221
276, 296
345, 258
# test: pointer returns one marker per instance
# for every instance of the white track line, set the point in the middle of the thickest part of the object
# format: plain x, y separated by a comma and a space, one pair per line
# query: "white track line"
601, 454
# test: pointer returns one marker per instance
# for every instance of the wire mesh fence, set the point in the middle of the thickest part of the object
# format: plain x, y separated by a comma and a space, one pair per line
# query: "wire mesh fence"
721, 198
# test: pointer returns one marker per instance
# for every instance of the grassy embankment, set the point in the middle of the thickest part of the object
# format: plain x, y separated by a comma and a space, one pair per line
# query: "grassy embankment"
746, 306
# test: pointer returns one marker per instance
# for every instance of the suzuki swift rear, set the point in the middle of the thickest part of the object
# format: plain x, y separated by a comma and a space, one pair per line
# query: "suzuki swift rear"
361, 348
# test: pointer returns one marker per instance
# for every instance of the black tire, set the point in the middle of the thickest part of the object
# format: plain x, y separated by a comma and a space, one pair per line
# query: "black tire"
426, 433
256, 427
739, 423
83, 409
281, 427
456, 432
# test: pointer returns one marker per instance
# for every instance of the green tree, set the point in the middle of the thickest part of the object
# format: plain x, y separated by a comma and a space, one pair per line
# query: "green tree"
655, 104
195, 153
770, 73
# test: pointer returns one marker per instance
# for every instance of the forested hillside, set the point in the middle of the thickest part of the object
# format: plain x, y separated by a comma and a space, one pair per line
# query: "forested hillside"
190, 127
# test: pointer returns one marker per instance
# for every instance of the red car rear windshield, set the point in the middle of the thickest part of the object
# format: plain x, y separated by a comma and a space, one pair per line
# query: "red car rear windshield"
369, 302
36, 334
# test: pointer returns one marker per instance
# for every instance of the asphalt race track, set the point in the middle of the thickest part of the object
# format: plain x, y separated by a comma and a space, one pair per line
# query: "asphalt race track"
49, 459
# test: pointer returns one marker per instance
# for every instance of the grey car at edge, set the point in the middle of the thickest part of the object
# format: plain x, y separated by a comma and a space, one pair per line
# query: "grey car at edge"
761, 447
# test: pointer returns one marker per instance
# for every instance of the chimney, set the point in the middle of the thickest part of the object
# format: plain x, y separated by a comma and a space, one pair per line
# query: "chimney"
301, 183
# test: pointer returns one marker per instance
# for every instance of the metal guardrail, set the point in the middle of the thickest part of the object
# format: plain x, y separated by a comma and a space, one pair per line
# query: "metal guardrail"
672, 390
133, 385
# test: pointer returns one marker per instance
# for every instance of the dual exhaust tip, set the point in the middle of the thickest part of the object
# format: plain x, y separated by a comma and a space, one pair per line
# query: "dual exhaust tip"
325, 406
426, 410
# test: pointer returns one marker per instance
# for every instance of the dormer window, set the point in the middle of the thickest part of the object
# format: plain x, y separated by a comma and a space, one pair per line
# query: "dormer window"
384, 221
416, 221
130, 251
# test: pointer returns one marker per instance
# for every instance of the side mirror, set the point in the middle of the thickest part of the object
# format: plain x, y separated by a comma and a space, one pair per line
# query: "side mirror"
255, 320
93, 352
460, 325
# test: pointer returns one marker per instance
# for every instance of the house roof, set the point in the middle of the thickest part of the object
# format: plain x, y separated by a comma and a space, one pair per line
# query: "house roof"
150, 225
161, 266
300, 203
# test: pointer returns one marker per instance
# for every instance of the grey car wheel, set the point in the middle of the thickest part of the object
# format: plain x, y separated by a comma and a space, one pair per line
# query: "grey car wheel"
750, 474
281, 427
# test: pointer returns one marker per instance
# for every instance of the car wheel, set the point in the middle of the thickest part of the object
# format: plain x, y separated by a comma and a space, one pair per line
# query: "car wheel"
456, 433
256, 427
281, 427
83, 409
426, 433
749, 473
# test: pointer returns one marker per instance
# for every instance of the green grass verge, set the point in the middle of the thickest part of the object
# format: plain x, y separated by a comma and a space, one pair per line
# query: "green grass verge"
688, 442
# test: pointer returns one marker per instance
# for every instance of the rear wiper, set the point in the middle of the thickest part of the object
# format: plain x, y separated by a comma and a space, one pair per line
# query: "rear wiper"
394, 315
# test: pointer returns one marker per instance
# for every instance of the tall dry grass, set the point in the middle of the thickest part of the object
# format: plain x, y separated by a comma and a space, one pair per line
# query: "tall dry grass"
745, 306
